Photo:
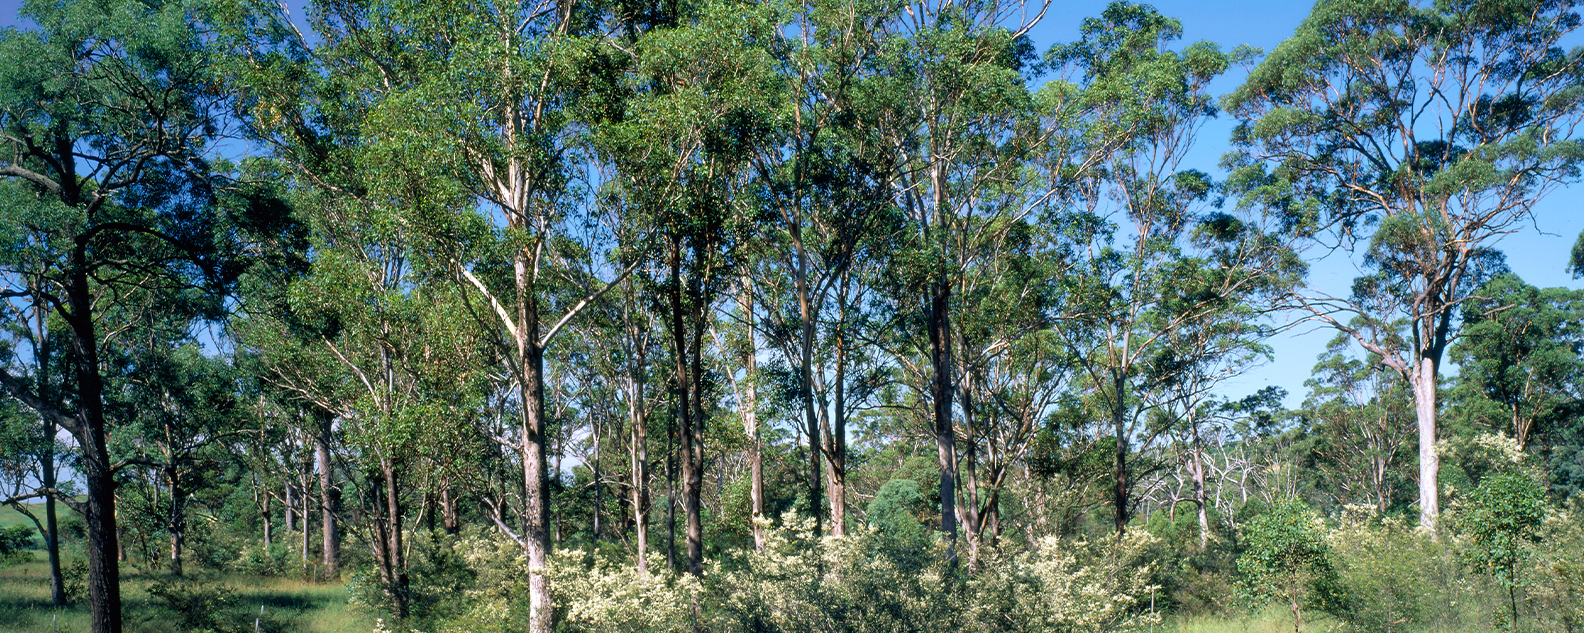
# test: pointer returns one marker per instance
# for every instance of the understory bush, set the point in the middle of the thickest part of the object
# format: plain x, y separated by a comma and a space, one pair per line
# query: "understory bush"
15, 541
1381, 564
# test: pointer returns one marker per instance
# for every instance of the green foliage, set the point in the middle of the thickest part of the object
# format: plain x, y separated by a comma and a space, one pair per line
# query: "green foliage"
1556, 585
197, 605
1384, 568
1286, 557
1519, 356
853, 584
264, 562
894, 515
15, 541
1501, 520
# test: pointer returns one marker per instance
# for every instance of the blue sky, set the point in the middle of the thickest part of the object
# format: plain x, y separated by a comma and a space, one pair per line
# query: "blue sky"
1538, 253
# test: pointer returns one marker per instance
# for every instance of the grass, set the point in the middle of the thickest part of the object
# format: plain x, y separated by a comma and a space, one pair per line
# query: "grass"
10, 516
289, 604
1274, 619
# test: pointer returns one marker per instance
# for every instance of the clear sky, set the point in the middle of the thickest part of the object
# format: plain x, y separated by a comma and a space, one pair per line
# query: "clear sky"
1538, 254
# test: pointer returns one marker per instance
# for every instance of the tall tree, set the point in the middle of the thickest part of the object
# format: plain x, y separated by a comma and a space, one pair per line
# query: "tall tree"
953, 106
31, 334
106, 115
680, 155
1415, 134
1152, 311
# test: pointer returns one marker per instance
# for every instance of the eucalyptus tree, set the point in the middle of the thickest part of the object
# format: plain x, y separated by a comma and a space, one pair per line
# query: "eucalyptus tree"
106, 112
398, 362
824, 179
951, 103
1011, 368
1415, 135
184, 406
480, 96
32, 333
1359, 414
1183, 269
679, 155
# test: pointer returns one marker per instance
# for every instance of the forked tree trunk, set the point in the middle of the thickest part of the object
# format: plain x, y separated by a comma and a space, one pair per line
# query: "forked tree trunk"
836, 444
970, 472
388, 550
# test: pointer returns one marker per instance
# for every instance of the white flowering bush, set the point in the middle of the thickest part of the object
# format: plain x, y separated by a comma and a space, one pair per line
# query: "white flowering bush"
854, 584
1384, 566
597, 594
1558, 576
800, 583
1072, 586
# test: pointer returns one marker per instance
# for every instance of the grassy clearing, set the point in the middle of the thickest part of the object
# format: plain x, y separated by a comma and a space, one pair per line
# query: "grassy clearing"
1271, 620
289, 604
10, 516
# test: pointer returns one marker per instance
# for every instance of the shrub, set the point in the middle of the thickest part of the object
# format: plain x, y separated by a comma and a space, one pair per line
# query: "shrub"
1501, 519
15, 541
196, 605
260, 561
854, 583
1067, 586
1382, 564
598, 594
1287, 558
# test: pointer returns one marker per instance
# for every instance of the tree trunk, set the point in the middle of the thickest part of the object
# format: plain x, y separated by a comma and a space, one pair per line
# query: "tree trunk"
671, 468
1297, 613
52, 532
692, 475
536, 480
269, 523
104, 569
598, 486
388, 551
47, 458
837, 451
291, 506
329, 498
176, 522
640, 472
1123, 486
750, 413
970, 472
941, 392
1424, 386
806, 387
1199, 488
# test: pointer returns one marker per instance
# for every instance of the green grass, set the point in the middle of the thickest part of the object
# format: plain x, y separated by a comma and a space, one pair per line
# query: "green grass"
289, 604
10, 516
1271, 620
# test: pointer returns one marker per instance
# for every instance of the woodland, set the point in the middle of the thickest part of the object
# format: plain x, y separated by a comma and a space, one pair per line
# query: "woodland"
800, 315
